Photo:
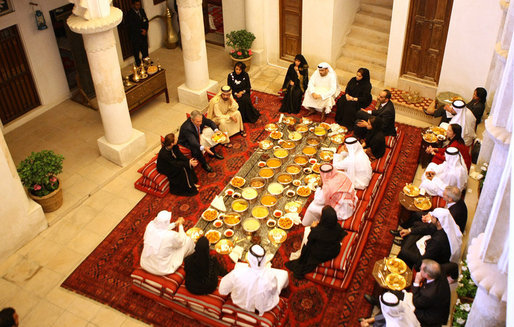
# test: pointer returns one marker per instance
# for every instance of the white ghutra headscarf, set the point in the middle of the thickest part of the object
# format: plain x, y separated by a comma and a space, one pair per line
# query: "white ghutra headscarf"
156, 231
452, 231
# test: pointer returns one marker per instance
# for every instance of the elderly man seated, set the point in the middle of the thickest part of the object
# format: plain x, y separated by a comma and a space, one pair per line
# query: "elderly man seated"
430, 300
437, 237
352, 159
254, 286
164, 249
223, 110
336, 191
196, 135
452, 172
321, 91
458, 113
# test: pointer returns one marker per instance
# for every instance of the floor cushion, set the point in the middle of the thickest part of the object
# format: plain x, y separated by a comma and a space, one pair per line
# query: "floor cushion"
163, 286
240, 317
372, 188
209, 304
354, 222
378, 165
152, 182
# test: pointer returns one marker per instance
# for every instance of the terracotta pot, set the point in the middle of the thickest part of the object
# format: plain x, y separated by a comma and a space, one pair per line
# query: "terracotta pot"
246, 61
49, 202
465, 299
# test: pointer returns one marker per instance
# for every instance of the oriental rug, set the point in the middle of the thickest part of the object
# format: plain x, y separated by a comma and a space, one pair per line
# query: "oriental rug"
105, 274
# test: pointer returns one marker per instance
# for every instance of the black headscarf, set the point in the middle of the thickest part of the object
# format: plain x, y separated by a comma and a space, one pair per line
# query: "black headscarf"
365, 74
199, 260
481, 94
328, 217
302, 60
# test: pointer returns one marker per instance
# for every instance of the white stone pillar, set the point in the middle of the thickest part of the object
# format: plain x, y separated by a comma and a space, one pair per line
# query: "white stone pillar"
21, 219
254, 14
121, 142
193, 91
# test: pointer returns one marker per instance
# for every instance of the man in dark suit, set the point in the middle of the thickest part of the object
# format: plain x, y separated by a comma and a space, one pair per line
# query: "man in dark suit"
385, 110
437, 247
431, 295
137, 24
190, 136
456, 206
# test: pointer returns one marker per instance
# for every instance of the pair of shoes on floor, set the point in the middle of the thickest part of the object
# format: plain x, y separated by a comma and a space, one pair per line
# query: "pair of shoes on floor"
207, 168
227, 145
217, 156
395, 232
397, 242
371, 300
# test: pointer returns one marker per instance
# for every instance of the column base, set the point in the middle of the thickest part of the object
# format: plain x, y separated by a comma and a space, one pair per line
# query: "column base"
196, 98
258, 57
122, 154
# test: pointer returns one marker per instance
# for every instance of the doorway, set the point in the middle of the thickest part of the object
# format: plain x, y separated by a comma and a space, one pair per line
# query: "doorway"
18, 94
290, 29
426, 39
213, 22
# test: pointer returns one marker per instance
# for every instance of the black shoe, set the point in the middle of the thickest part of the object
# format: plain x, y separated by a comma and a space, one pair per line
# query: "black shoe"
207, 168
395, 232
397, 242
218, 156
371, 300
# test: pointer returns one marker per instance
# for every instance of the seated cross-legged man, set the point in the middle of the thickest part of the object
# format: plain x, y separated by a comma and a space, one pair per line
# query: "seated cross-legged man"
164, 249
385, 110
254, 286
223, 111
196, 135
321, 91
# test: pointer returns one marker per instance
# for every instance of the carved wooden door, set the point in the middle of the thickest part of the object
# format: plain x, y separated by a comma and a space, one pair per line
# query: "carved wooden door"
290, 28
426, 39
18, 93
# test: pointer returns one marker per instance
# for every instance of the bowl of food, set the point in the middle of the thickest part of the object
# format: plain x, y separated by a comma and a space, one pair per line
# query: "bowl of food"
232, 219
210, 214
284, 178
217, 223
441, 138
290, 193
326, 155
288, 145
395, 282
240, 205
411, 190
261, 164
268, 200
312, 179
325, 126
213, 236
315, 167
260, 212
276, 135
295, 136
293, 207
320, 131
228, 233
301, 159
313, 141
219, 137
303, 191
396, 265
249, 193
312, 161
337, 139
302, 128
289, 121
266, 172
293, 170
229, 192
194, 233
430, 137
423, 203
281, 153
297, 182
278, 213
257, 183
273, 163
285, 222
271, 223
306, 121
271, 127
224, 246
251, 225
307, 170
277, 235
275, 188
237, 181
309, 151
265, 144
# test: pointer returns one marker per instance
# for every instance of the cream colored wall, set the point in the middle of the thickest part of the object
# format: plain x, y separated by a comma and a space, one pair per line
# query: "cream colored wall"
469, 47
317, 22
272, 32
344, 14
233, 16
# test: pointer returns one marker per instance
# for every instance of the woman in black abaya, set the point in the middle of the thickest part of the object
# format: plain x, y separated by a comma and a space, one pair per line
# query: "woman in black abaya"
179, 169
323, 244
202, 270
295, 84
239, 81
357, 95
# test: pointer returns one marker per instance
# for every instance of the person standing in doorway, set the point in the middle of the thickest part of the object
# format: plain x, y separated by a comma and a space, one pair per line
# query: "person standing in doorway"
137, 23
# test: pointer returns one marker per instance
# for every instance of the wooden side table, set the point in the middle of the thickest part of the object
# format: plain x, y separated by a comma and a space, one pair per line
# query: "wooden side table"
145, 90
408, 206
380, 272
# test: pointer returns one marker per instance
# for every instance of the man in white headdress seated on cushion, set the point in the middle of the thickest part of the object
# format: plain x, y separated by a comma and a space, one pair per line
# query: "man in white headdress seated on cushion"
396, 310
355, 162
452, 172
336, 191
164, 249
254, 286
465, 118
321, 90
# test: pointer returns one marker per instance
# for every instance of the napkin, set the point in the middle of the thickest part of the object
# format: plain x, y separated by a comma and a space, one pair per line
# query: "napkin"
294, 216
280, 119
218, 203
236, 254
422, 247
333, 149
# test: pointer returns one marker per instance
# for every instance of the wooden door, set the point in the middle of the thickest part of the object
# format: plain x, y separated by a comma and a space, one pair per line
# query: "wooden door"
426, 39
290, 28
18, 93
125, 44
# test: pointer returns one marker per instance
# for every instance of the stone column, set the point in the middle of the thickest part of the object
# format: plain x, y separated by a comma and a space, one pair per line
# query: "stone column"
193, 91
121, 142
21, 219
254, 14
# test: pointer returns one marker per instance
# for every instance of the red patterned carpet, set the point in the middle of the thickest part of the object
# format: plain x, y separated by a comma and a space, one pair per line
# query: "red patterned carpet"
105, 274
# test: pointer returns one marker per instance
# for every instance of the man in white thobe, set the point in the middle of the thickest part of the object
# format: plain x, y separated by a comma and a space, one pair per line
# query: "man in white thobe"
452, 172
254, 286
165, 249
352, 159
321, 91
452, 231
466, 119
395, 312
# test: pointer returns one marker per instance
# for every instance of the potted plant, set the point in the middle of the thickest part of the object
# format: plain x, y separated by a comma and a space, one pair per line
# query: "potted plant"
466, 289
460, 314
38, 173
241, 42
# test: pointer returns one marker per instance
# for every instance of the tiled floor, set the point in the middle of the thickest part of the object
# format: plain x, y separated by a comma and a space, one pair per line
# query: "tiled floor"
97, 193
